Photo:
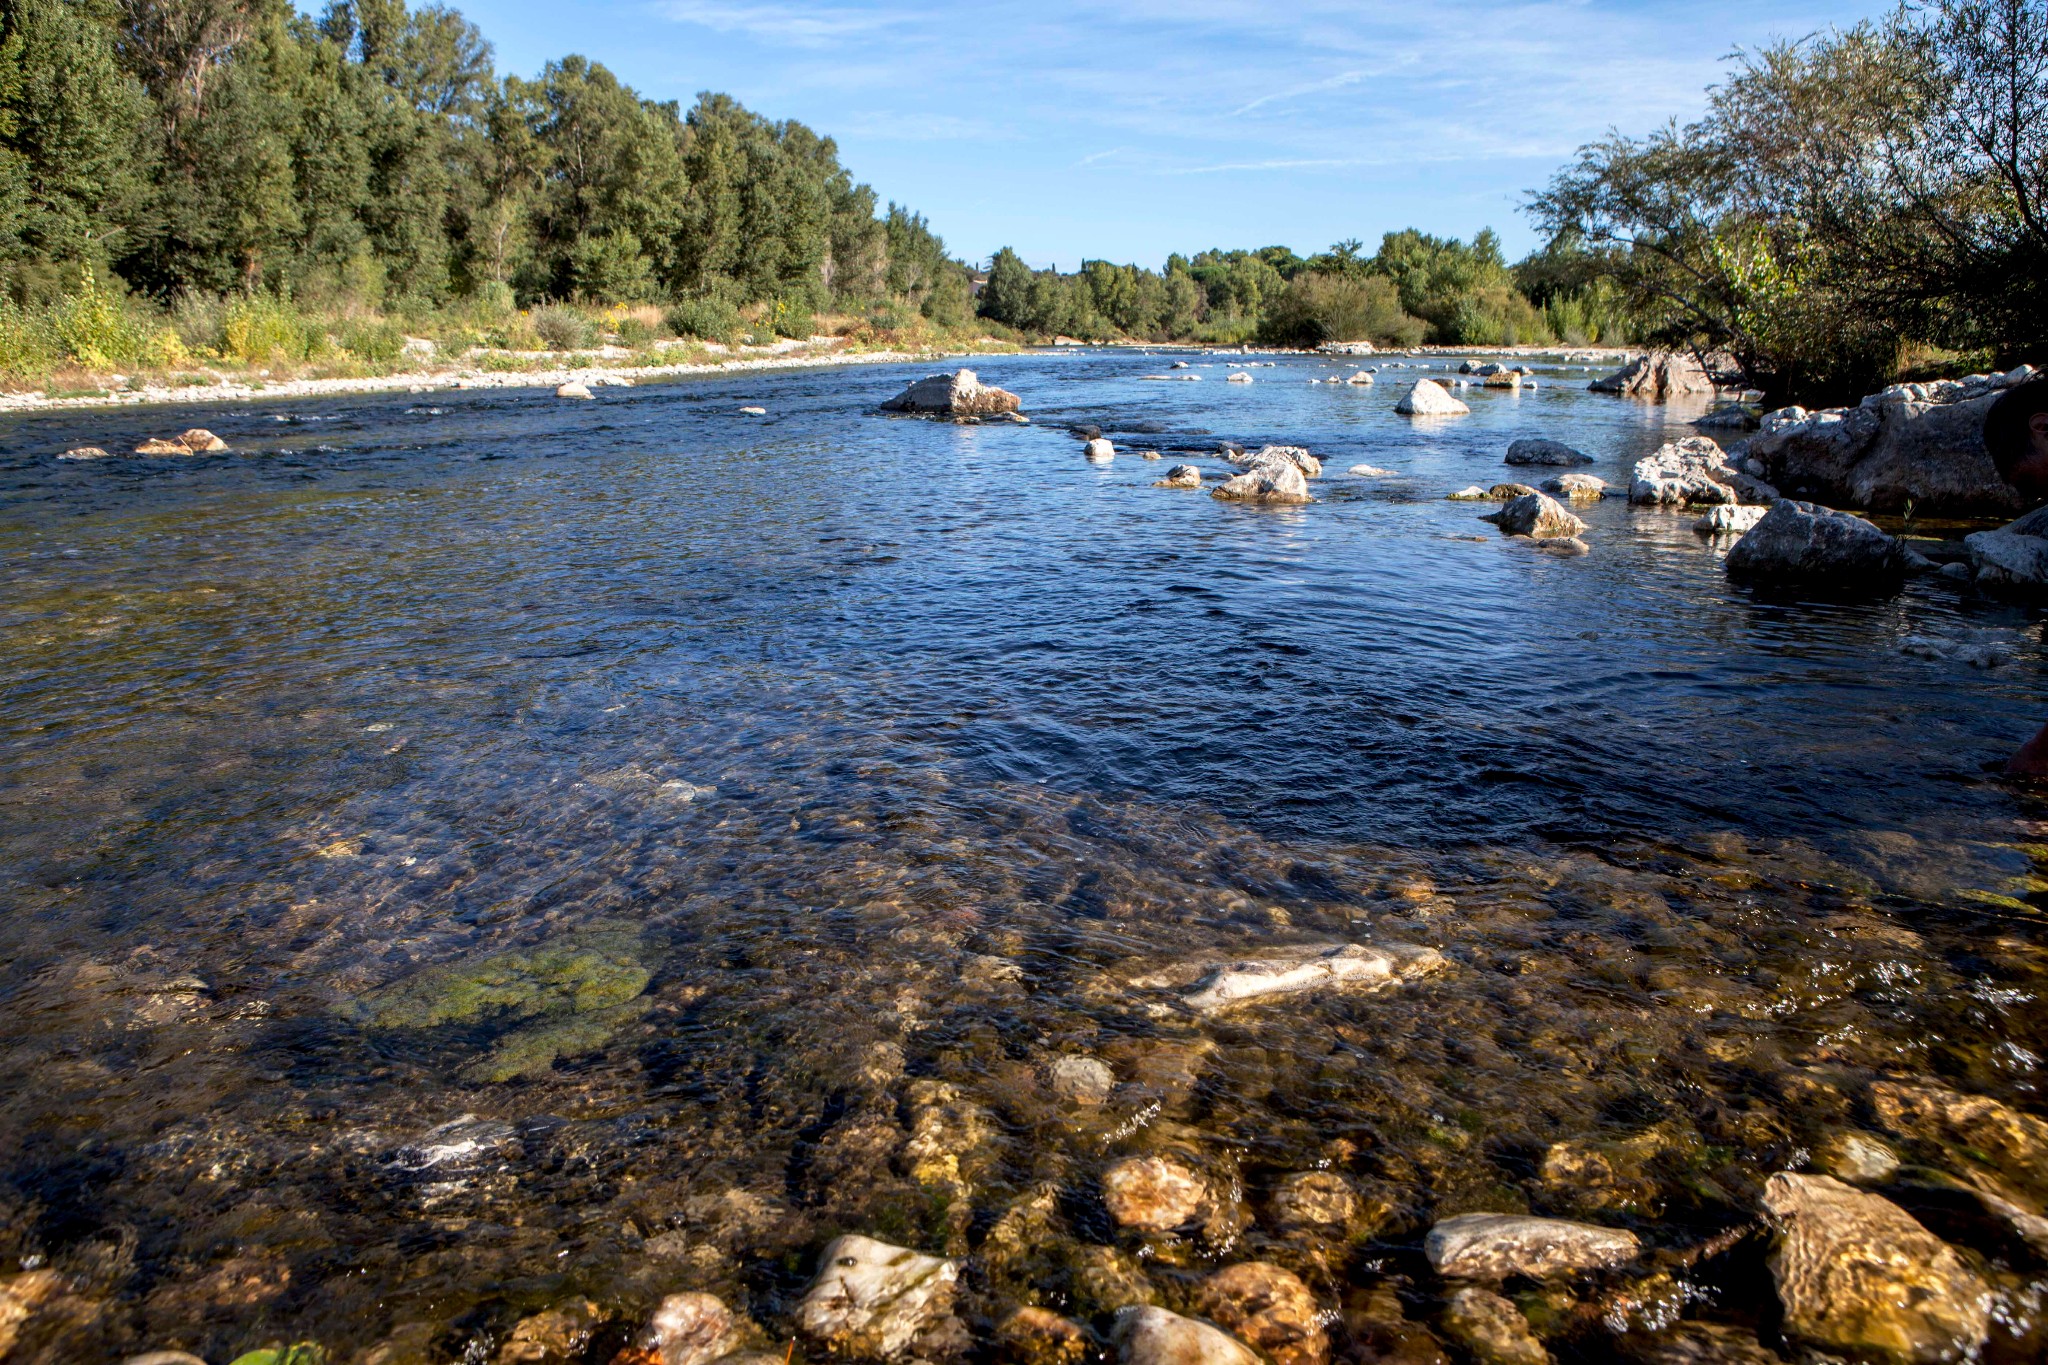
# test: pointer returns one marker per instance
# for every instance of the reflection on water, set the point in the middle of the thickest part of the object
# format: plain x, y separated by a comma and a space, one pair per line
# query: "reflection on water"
470, 859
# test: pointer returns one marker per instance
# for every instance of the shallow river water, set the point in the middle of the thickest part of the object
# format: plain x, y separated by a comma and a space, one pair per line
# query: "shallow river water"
725, 822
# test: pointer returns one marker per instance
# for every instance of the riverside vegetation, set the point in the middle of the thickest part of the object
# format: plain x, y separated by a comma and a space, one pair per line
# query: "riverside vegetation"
207, 183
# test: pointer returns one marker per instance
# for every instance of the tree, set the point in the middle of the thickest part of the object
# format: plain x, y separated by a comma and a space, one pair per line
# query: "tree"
1006, 297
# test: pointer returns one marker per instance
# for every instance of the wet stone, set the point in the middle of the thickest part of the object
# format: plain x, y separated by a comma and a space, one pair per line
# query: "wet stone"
873, 1299
1153, 1194
1321, 1201
1857, 1158
1105, 1280
558, 1335
688, 1329
1081, 1080
1153, 1336
1700, 1343
1493, 1246
1856, 1274
1039, 1336
1268, 1308
1298, 969
1492, 1329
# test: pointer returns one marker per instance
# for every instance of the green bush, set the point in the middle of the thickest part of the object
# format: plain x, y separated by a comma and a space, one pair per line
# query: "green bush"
706, 318
792, 318
379, 343
1316, 307
562, 328
634, 332
269, 329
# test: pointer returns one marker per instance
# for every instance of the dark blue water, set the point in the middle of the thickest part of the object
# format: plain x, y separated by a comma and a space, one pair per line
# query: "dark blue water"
405, 681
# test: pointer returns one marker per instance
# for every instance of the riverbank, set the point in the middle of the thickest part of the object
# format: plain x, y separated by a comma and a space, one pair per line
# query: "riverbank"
615, 366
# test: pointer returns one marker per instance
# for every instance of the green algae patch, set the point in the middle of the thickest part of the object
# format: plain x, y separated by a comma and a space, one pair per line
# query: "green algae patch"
579, 974
534, 1050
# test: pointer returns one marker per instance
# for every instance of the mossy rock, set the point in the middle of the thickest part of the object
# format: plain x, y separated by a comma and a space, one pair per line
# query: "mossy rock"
534, 1050
576, 975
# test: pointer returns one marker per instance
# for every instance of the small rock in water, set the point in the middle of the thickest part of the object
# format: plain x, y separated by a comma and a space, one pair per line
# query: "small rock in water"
1535, 450
1099, 451
1978, 649
1427, 398
1039, 1336
1492, 1246
1535, 514
1492, 1329
1081, 1080
1471, 493
197, 441
1152, 1193
554, 1337
1239, 378
1368, 471
1857, 1158
1362, 377
1266, 483
1856, 1274
573, 389
1153, 1336
961, 394
1729, 520
1268, 1308
454, 1143
871, 1298
1320, 1200
85, 453
1181, 476
1508, 492
753, 412
1291, 970
684, 791
689, 1329
1577, 487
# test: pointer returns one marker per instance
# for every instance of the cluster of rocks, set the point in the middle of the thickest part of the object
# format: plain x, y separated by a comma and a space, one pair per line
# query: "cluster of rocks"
959, 397
196, 441
1917, 445
1272, 474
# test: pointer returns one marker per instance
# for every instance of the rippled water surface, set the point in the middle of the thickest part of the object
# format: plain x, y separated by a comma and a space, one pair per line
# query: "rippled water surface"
731, 818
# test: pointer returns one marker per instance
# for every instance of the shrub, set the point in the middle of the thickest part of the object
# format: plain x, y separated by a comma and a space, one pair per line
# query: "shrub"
378, 343
791, 318
561, 328
1316, 307
267, 329
706, 317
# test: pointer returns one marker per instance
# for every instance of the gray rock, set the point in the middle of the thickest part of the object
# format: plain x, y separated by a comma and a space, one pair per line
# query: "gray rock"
1152, 1336
1099, 451
1535, 514
1800, 542
1427, 398
1689, 471
872, 1299
1297, 456
1577, 487
1287, 971
1267, 483
1492, 1246
690, 1329
1181, 476
1729, 520
1537, 451
1918, 444
2015, 556
1080, 1080
1658, 376
1492, 1329
960, 394
1856, 1274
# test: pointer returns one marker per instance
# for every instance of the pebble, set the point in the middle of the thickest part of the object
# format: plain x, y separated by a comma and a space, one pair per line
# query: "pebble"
871, 1298
1039, 1336
690, 1329
1492, 1246
1152, 1193
1270, 1309
1153, 1336
1492, 1329
753, 412
1081, 1080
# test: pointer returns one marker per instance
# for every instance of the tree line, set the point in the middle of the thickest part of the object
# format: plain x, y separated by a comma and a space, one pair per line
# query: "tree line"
373, 153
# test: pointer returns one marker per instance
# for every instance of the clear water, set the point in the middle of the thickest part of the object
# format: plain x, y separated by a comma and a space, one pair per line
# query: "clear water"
353, 783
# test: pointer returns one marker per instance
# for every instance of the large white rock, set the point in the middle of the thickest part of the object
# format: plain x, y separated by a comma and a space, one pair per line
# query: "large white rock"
960, 394
1272, 482
1152, 1336
871, 1298
1535, 514
1692, 470
1492, 1246
1099, 451
1225, 983
1427, 398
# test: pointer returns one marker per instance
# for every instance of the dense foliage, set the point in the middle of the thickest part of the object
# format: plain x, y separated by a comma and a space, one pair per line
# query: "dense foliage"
372, 159
1844, 200
1417, 288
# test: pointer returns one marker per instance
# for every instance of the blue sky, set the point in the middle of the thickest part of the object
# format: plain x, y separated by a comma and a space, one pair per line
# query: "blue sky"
1130, 130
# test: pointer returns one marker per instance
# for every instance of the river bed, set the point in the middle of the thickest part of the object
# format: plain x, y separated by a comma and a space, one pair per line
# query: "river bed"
471, 854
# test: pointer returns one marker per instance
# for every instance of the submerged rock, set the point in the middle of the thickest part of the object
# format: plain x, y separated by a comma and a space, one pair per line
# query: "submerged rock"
2014, 1143
871, 1298
1492, 1246
1153, 1193
1268, 1308
1367, 471
1855, 1273
1180, 476
1153, 1336
1427, 398
1319, 1201
1857, 1158
1294, 970
1039, 1336
1534, 514
1081, 1080
960, 394
555, 1337
1492, 1329
1801, 542
577, 974
1537, 451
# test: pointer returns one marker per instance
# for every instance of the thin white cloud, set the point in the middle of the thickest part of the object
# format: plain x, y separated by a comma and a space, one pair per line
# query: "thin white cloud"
798, 25
1337, 82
